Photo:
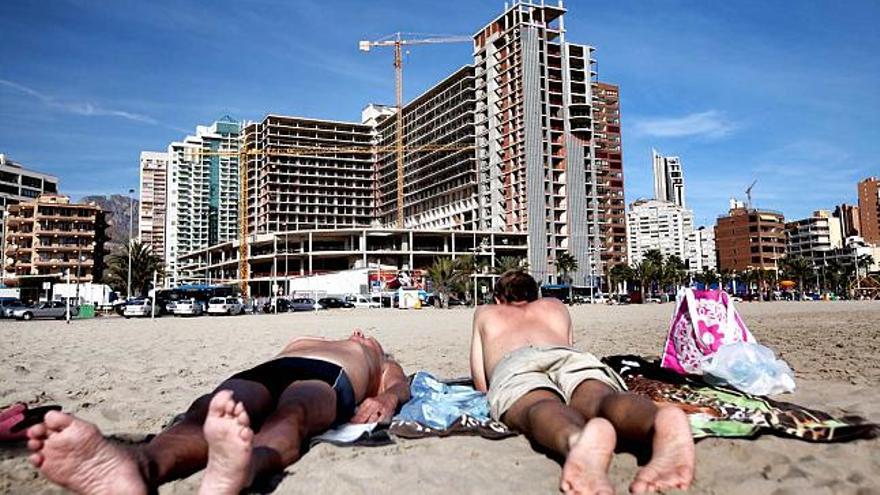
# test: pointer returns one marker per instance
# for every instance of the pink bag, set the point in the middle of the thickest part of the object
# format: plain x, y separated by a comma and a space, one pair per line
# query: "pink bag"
703, 321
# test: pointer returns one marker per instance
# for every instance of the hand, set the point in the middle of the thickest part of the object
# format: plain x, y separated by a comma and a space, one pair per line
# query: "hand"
375, 409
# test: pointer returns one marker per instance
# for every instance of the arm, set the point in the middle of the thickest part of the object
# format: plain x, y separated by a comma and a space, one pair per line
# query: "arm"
478, 371
393, 391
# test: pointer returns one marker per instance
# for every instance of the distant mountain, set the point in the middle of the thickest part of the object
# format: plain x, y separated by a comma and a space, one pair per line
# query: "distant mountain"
118, 207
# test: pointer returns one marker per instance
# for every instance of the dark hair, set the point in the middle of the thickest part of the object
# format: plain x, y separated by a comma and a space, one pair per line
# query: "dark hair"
514, 286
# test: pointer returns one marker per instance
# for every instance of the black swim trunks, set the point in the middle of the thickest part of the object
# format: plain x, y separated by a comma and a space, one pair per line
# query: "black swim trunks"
278, 374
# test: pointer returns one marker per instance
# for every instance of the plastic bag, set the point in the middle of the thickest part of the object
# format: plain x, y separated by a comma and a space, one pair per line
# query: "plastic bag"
438, 405
749, 367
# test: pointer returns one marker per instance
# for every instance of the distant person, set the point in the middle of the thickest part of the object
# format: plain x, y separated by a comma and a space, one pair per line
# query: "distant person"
254, 423
566, 400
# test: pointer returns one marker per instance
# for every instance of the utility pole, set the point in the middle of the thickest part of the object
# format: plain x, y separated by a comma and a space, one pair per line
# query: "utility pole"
155, 293
67, 310
130, 236
3, 265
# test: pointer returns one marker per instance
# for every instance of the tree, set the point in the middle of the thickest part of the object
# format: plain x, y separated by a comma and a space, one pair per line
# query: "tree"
465, 267
507, 263
797, 268
674, 271
565, 264
653, 261
619, 274
444, 276
725, 277
644, 273
143, 264
707, 277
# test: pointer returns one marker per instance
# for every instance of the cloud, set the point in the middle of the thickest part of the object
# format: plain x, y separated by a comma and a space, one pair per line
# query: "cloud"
711, 123
78, 107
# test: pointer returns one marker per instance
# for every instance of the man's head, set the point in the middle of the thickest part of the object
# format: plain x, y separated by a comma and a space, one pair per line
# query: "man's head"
515, 286
359, 336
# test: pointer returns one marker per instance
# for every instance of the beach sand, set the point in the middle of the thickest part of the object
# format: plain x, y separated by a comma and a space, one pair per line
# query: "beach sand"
131, 377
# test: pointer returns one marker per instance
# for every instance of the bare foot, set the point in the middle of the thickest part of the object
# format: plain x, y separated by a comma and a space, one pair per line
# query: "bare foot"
227, 430
589, 455
74, 454
672, 460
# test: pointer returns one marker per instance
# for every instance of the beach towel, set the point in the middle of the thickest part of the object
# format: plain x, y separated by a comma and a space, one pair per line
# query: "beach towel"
717, 411
17, 418
703, 321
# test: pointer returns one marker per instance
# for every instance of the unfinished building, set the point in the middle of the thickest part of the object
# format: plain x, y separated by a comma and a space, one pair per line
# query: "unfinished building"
308, 174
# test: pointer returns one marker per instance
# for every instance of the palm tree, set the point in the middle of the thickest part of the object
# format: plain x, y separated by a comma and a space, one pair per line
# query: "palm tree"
654, 258
565, 264
725, 277
444, 276
674, 271
798, 268
707, 277
507, 263
143, 264
618, 274
644, 273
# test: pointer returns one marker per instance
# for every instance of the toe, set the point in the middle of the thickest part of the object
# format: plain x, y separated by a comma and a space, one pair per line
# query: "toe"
37, 432
217, 407
57, 421
34, 444
243, 419
246, 434
36, 460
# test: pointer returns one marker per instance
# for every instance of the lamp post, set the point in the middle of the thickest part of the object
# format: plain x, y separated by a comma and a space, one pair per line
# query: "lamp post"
3, 255
130, 236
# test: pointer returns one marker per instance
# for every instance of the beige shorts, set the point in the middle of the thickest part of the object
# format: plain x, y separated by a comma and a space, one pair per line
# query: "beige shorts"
558, 369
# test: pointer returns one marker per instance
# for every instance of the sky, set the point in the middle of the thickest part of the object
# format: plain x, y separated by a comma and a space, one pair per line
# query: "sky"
785, 92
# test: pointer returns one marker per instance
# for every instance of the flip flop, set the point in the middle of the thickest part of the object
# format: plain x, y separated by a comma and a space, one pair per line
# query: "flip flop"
15, 420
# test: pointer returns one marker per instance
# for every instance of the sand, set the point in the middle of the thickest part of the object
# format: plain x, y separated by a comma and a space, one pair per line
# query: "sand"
130, 377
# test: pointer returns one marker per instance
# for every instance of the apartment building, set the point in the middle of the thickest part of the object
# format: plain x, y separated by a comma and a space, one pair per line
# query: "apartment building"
49, 236
701, 250
153, 191
19, 184
440, 172
848, 218
750, 238
202, 191
668, 178
869, 210
661, 225
308, 174
813, 237
608, 150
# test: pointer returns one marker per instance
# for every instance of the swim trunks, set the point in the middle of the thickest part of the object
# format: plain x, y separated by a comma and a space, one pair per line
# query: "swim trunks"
558, 369
278, 374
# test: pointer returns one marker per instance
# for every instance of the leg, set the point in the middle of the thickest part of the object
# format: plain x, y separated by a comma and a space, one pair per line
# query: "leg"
543, 417
637, 419
305, 409
229, 436
182, 449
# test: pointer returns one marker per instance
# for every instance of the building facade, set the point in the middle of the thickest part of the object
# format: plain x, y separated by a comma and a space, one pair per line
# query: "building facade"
660, 225
19, 184
814, 237
153, 193
750, 239
49, 236
668, 178
869, 210
848, 218
701, 250
608, 161
202, 191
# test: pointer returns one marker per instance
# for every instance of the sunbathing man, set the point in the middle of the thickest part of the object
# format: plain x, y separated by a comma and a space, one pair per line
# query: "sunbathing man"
254, 423
566, 400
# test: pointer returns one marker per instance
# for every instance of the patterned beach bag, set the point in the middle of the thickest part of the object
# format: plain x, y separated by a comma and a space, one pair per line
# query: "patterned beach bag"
703, 321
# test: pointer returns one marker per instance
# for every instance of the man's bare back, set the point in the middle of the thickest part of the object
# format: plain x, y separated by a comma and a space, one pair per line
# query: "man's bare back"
503, 328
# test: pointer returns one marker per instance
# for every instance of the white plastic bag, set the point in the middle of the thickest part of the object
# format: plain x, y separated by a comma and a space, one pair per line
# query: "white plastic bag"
749, 367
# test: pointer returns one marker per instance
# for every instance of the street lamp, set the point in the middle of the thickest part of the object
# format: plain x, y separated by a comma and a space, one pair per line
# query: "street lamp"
130, 236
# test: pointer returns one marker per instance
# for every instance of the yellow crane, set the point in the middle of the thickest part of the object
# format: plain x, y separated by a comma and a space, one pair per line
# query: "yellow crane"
397, 41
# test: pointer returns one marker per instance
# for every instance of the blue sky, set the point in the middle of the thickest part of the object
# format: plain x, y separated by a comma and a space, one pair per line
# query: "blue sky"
784, 92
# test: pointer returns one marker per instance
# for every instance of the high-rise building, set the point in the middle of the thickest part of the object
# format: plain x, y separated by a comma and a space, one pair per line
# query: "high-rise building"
813, 237
848, 217
701, 250
153, 189
660, 225
668, 178
608, 162
534, 137
750, 239
308, 174
19, 184
202, 191
49, 236
869, 209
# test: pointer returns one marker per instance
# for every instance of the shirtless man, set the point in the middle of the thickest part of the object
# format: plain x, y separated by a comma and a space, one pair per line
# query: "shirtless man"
567, 400
254, 423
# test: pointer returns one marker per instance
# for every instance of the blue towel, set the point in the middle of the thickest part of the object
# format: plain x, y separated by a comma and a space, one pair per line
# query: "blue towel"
438, 405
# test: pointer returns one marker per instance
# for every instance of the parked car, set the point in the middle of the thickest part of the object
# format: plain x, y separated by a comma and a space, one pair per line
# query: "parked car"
6, 303
189, 307
334, 303
304, 304
279, 305
225, 306
360, 301
139, 308
53, 309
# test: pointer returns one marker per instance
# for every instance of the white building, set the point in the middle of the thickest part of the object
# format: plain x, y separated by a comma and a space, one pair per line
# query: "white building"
668, 178
813, 237
153, 194
701, 250
203, 192
653, 224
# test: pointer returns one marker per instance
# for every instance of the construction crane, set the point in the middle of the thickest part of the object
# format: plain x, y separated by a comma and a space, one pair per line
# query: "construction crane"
397, 41
749, 194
